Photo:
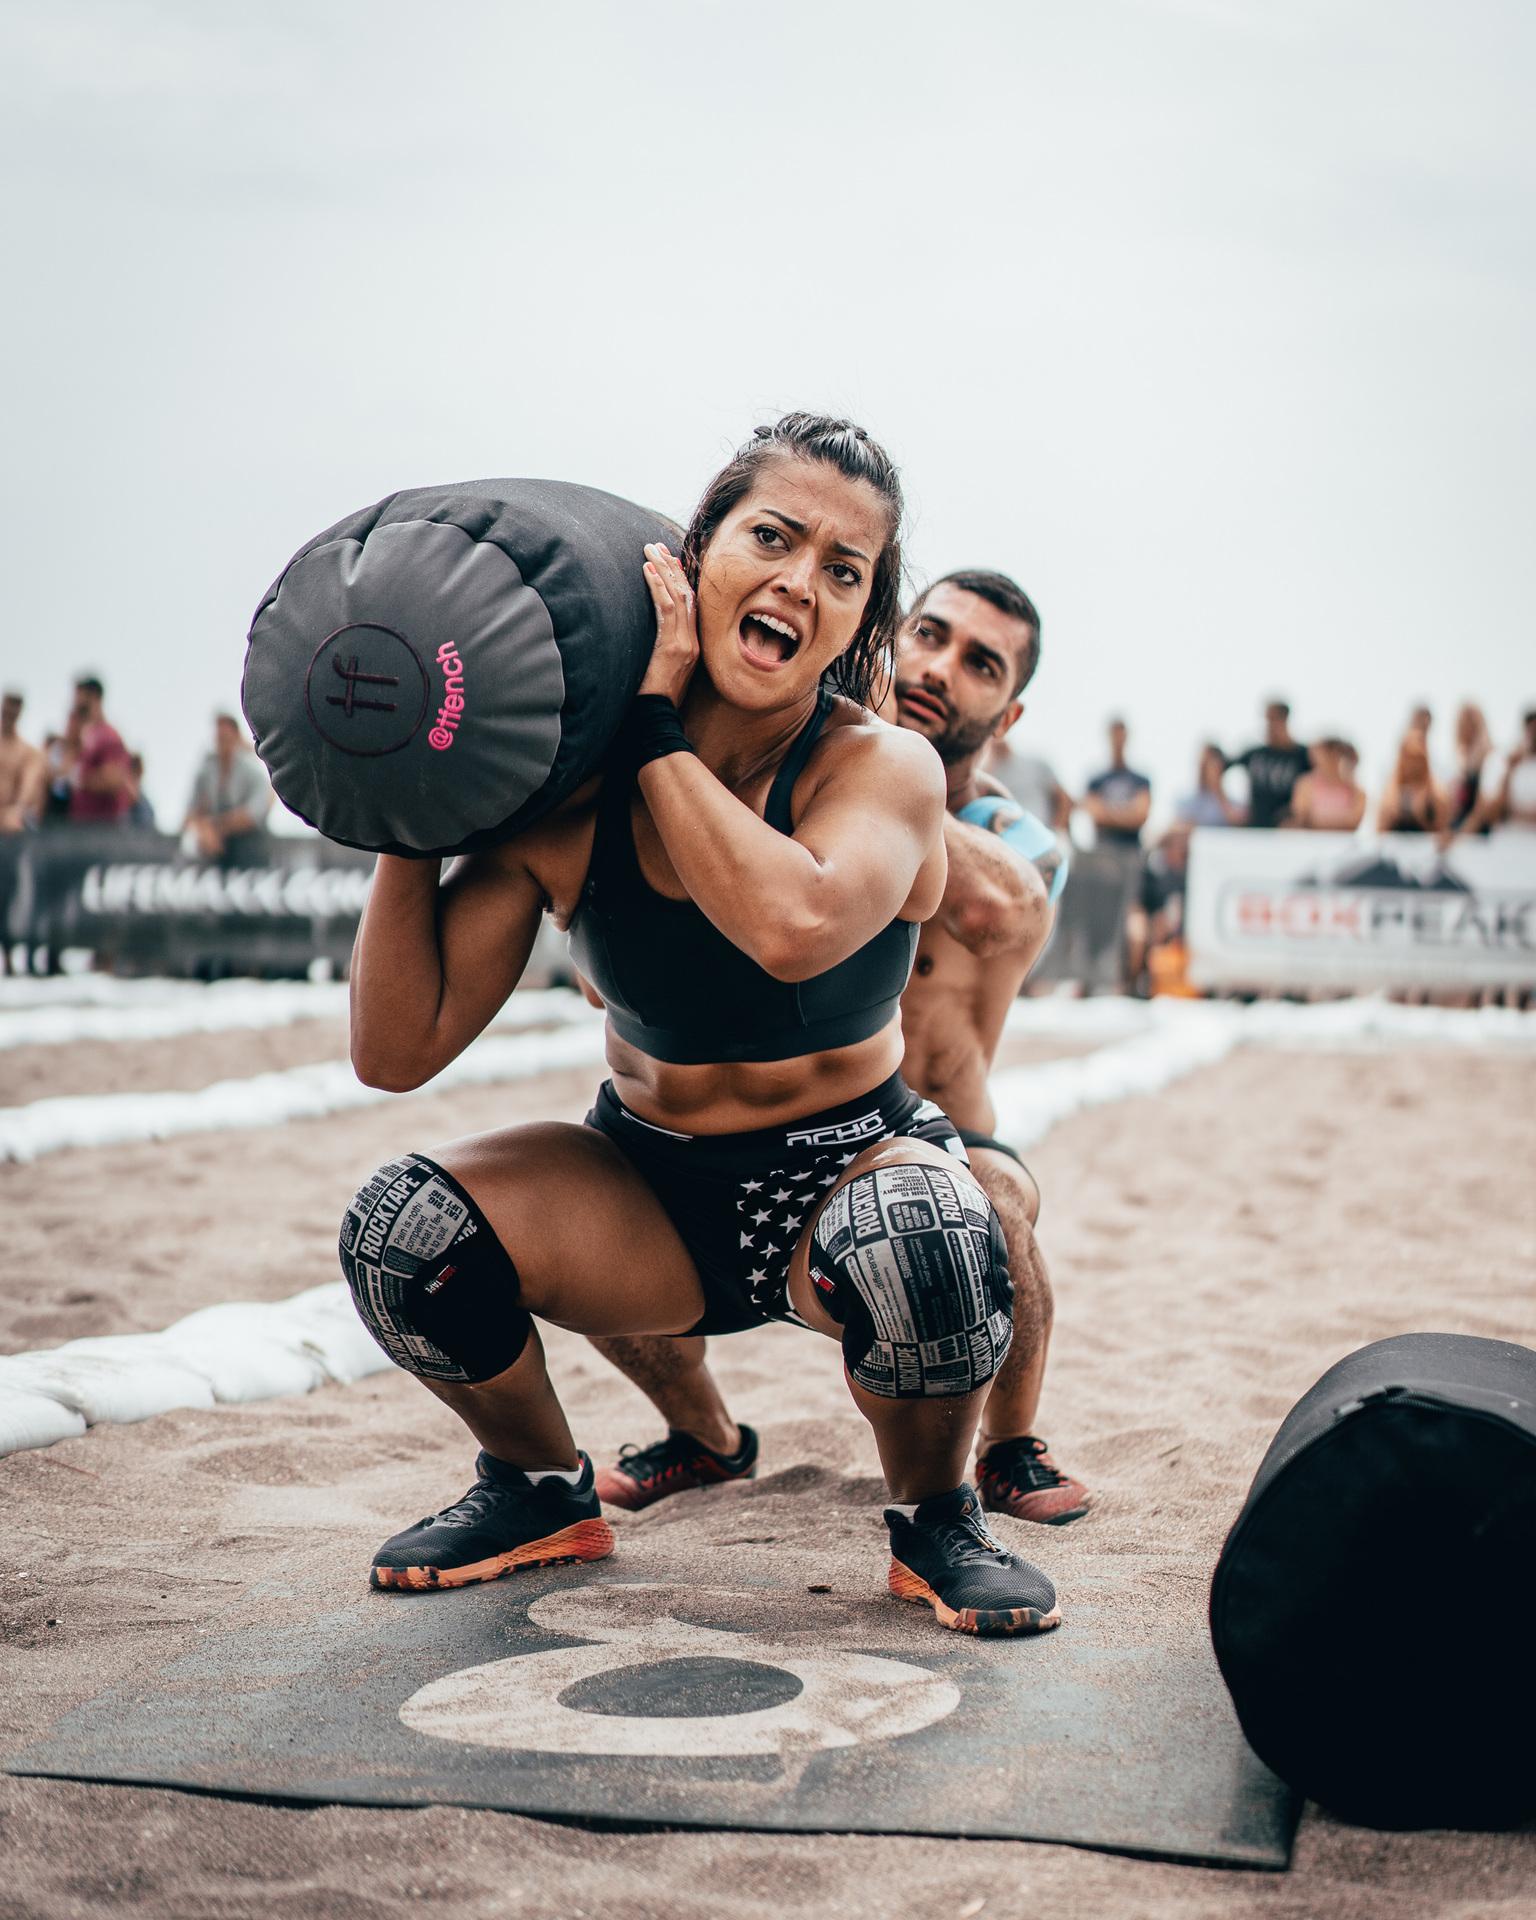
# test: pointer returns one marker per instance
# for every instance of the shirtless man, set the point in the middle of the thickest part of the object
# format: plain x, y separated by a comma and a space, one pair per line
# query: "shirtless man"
964, 655
23, 773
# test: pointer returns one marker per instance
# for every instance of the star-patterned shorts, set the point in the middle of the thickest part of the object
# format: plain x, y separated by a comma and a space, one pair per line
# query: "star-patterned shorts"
741, 1201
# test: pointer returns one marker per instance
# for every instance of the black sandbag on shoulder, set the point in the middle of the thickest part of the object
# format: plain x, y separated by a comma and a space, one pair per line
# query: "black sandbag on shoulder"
439, 670
1372, 1611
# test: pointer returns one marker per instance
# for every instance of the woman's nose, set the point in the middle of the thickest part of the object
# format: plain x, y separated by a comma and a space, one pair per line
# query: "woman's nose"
797, 576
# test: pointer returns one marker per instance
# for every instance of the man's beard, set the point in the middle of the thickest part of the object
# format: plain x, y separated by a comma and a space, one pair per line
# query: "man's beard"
962, 739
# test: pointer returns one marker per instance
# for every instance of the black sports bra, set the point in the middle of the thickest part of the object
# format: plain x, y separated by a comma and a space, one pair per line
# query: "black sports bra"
677, 989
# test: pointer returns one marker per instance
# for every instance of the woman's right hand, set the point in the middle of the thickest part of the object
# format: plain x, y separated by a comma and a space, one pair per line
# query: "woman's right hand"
676, 651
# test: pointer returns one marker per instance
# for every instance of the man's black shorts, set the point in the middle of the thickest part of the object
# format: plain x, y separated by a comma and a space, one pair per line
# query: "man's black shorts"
740, 1201
972, 1141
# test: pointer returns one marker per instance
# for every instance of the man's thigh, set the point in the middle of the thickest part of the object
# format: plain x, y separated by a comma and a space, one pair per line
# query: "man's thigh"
1008, 1184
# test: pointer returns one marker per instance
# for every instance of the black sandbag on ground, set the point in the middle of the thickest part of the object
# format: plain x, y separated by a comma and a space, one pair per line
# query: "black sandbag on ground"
1373, 1607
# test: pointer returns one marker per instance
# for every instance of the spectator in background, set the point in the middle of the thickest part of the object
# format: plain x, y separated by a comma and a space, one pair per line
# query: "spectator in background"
1517, 798
1208, 805
141, 813
97, 771
1273, 768
1474, 791
1031, 779
23, 770
230, 800
1328, 799
1414, 800
1119, 799
1155, 919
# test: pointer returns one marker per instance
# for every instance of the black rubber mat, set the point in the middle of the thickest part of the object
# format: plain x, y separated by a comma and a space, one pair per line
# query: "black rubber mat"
586, 1694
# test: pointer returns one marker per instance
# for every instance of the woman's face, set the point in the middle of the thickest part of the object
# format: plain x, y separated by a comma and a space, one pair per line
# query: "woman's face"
784, 582
1212, 767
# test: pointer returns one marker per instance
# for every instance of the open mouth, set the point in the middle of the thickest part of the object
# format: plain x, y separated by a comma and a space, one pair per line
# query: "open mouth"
766, 641
925, 706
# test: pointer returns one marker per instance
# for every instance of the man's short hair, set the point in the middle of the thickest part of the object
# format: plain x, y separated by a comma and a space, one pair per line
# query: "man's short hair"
1004, 594
1282, 707
226, 720
88, 683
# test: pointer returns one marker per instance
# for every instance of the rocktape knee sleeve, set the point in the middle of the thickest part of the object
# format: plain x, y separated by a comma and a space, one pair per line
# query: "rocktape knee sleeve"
912, 1260
433, 1284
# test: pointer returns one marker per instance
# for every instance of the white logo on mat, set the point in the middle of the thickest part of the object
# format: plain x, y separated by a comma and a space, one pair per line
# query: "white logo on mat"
844, 1698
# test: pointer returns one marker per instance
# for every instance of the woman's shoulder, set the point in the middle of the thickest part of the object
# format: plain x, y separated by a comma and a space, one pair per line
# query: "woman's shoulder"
856, 741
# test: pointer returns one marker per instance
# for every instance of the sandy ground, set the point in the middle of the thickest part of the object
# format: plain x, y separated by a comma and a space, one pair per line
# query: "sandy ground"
1213, 1251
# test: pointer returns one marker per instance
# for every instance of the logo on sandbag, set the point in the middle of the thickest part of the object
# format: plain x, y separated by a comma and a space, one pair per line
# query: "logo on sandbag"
366, 691
452, 709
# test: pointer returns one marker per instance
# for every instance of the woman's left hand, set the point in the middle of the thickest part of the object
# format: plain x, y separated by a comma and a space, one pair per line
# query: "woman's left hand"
677, 634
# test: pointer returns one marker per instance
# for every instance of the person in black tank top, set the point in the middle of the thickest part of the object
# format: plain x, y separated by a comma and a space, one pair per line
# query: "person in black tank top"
744, 890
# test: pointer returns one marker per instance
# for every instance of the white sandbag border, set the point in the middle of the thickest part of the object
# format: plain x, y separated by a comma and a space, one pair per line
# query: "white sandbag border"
269, 1099
1182, 1029
171, 1009
221, 1355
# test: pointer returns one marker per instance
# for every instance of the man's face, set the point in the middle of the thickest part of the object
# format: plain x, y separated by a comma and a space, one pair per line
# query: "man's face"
1277, 720
958, 660
85, 707
10, 712
1117, 739
225, 738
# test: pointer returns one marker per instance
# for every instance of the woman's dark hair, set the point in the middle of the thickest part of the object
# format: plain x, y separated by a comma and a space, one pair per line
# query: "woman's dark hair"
840, 444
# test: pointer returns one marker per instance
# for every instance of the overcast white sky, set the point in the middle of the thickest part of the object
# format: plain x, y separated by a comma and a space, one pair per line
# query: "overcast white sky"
1211, 322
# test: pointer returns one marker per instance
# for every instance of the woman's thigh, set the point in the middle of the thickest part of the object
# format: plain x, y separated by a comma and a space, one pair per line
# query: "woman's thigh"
594, 1250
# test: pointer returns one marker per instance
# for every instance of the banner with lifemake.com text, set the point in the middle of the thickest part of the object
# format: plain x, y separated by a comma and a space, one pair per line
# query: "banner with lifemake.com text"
1299, 910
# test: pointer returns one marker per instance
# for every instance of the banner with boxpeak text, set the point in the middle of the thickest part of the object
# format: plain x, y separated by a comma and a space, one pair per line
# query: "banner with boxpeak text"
1332, 910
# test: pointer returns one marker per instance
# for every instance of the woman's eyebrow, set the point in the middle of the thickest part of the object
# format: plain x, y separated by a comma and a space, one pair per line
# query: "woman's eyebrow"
798, 526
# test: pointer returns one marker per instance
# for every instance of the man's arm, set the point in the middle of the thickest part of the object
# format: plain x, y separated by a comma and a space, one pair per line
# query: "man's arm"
252, 800
1127, 814
1005, 872
107, 772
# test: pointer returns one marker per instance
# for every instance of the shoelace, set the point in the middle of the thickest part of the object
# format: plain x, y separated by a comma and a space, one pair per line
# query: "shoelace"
471, 1509
967, 1538
660, 1457
1023, 1464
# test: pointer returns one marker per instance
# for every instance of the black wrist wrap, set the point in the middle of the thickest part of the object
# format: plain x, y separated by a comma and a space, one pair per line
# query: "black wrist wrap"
650, 731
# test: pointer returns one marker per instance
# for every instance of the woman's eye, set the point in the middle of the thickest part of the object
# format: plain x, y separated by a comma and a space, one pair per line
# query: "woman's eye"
766, 536
844, 575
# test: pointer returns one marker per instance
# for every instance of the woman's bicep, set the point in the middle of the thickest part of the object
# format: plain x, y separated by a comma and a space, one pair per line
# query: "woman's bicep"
488, 914
876, 827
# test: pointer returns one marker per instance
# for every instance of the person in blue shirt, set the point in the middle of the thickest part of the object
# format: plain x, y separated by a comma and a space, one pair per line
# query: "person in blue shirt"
1119, 799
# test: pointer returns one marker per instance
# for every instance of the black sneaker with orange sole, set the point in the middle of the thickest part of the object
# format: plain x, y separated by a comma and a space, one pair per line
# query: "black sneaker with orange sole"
643, 1475
1019, 1477
946, 1556
505, 1523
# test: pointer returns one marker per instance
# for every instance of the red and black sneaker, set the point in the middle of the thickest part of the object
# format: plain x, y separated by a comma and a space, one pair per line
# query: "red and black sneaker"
504, 1523
643, 1475
946, 1556
1020, 1477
